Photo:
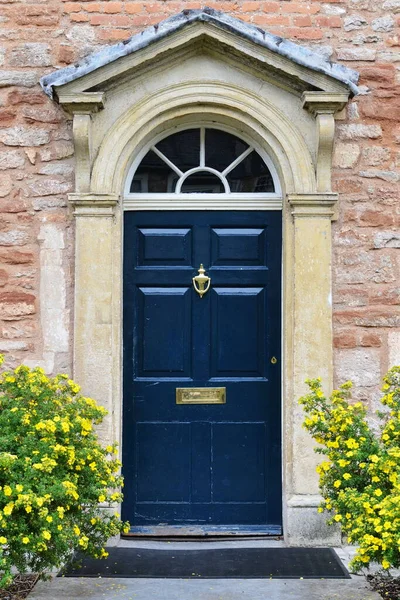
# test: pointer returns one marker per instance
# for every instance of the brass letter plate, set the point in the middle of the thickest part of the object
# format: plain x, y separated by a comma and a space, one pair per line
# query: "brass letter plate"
201, 395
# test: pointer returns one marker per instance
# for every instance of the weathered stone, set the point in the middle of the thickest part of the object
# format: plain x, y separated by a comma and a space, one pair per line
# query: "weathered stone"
354, 22
48, 202
345, 155
352, 111
378, 319
24, 136
361, 366
49, 187
6, 184
371, 340
30, 55
394, 348
366, 54
57, 150
375, 218
387, 239
381, 74
384, 295
392, 5
2, 55
333, 9
385, 23
361, 38
81, 34
390, 176
15, 257
48, 114
16, 304
18, 329
58, 168
10, 345
375, 155
31, 154
11, 159
3, 277
15, 237
387, 56
13, 205
381, 108
26, 97
345, 339
355, 131
18, 78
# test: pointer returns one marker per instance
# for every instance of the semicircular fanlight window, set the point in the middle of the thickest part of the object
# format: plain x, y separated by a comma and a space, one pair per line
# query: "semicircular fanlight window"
202, 160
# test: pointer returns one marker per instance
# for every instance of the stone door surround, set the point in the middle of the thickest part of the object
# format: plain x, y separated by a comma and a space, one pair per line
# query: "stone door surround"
209, 69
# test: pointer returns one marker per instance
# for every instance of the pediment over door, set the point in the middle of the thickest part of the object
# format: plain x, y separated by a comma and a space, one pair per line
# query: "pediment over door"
200, 64
289, 65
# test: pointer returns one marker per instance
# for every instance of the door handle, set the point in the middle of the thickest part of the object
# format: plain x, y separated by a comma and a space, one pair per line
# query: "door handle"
201, 282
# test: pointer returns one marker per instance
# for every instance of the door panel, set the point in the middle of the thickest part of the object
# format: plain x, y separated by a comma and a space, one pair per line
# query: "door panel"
237, 332
167, 311
205, 464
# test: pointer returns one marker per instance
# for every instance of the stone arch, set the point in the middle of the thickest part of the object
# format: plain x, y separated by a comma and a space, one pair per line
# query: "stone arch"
263, 123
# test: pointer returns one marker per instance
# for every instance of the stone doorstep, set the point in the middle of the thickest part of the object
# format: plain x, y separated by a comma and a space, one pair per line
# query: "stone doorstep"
355, 588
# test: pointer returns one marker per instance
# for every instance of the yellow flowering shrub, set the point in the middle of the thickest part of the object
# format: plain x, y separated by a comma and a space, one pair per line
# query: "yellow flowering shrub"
360, 478
53, 473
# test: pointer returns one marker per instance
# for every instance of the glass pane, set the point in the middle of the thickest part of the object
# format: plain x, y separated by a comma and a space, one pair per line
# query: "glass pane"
251, 175
205, 183
222, 149
153, 176
183, 148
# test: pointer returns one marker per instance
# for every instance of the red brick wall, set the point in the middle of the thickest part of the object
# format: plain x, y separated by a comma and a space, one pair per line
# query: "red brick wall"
36, 164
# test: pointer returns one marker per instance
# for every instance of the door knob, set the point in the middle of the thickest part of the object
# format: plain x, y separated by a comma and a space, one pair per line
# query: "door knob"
201, 282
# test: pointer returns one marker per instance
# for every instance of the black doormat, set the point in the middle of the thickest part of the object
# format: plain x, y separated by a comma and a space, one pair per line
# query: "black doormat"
239, 563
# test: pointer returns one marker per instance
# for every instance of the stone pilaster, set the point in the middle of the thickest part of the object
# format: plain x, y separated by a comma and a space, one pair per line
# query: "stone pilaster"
312, 357
97, 348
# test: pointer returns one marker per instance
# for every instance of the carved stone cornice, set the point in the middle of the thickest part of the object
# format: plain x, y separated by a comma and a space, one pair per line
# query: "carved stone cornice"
324, 102
313, 205
323, 106
82, 102
93, 205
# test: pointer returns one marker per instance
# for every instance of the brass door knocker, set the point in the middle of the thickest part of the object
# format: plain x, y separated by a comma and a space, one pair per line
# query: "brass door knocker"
201, 282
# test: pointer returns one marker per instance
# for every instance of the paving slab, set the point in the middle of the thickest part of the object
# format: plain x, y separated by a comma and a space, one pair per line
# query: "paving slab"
72, 588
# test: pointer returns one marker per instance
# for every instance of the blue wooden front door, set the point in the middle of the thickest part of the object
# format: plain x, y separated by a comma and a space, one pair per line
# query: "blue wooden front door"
205, 464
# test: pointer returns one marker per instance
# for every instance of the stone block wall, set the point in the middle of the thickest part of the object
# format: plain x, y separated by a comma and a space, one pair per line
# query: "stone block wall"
37, 165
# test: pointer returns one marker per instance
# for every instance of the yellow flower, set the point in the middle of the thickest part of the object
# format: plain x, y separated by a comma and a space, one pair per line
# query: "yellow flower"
28, 508
385, 563
93, 521
102, 498
59, 527
77, 531
49, 519
346, 476
374, 458
338, 517
3, 540
378, 492
337, 483
7, 490
25, 540
8, 508
19, 487
46, 534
